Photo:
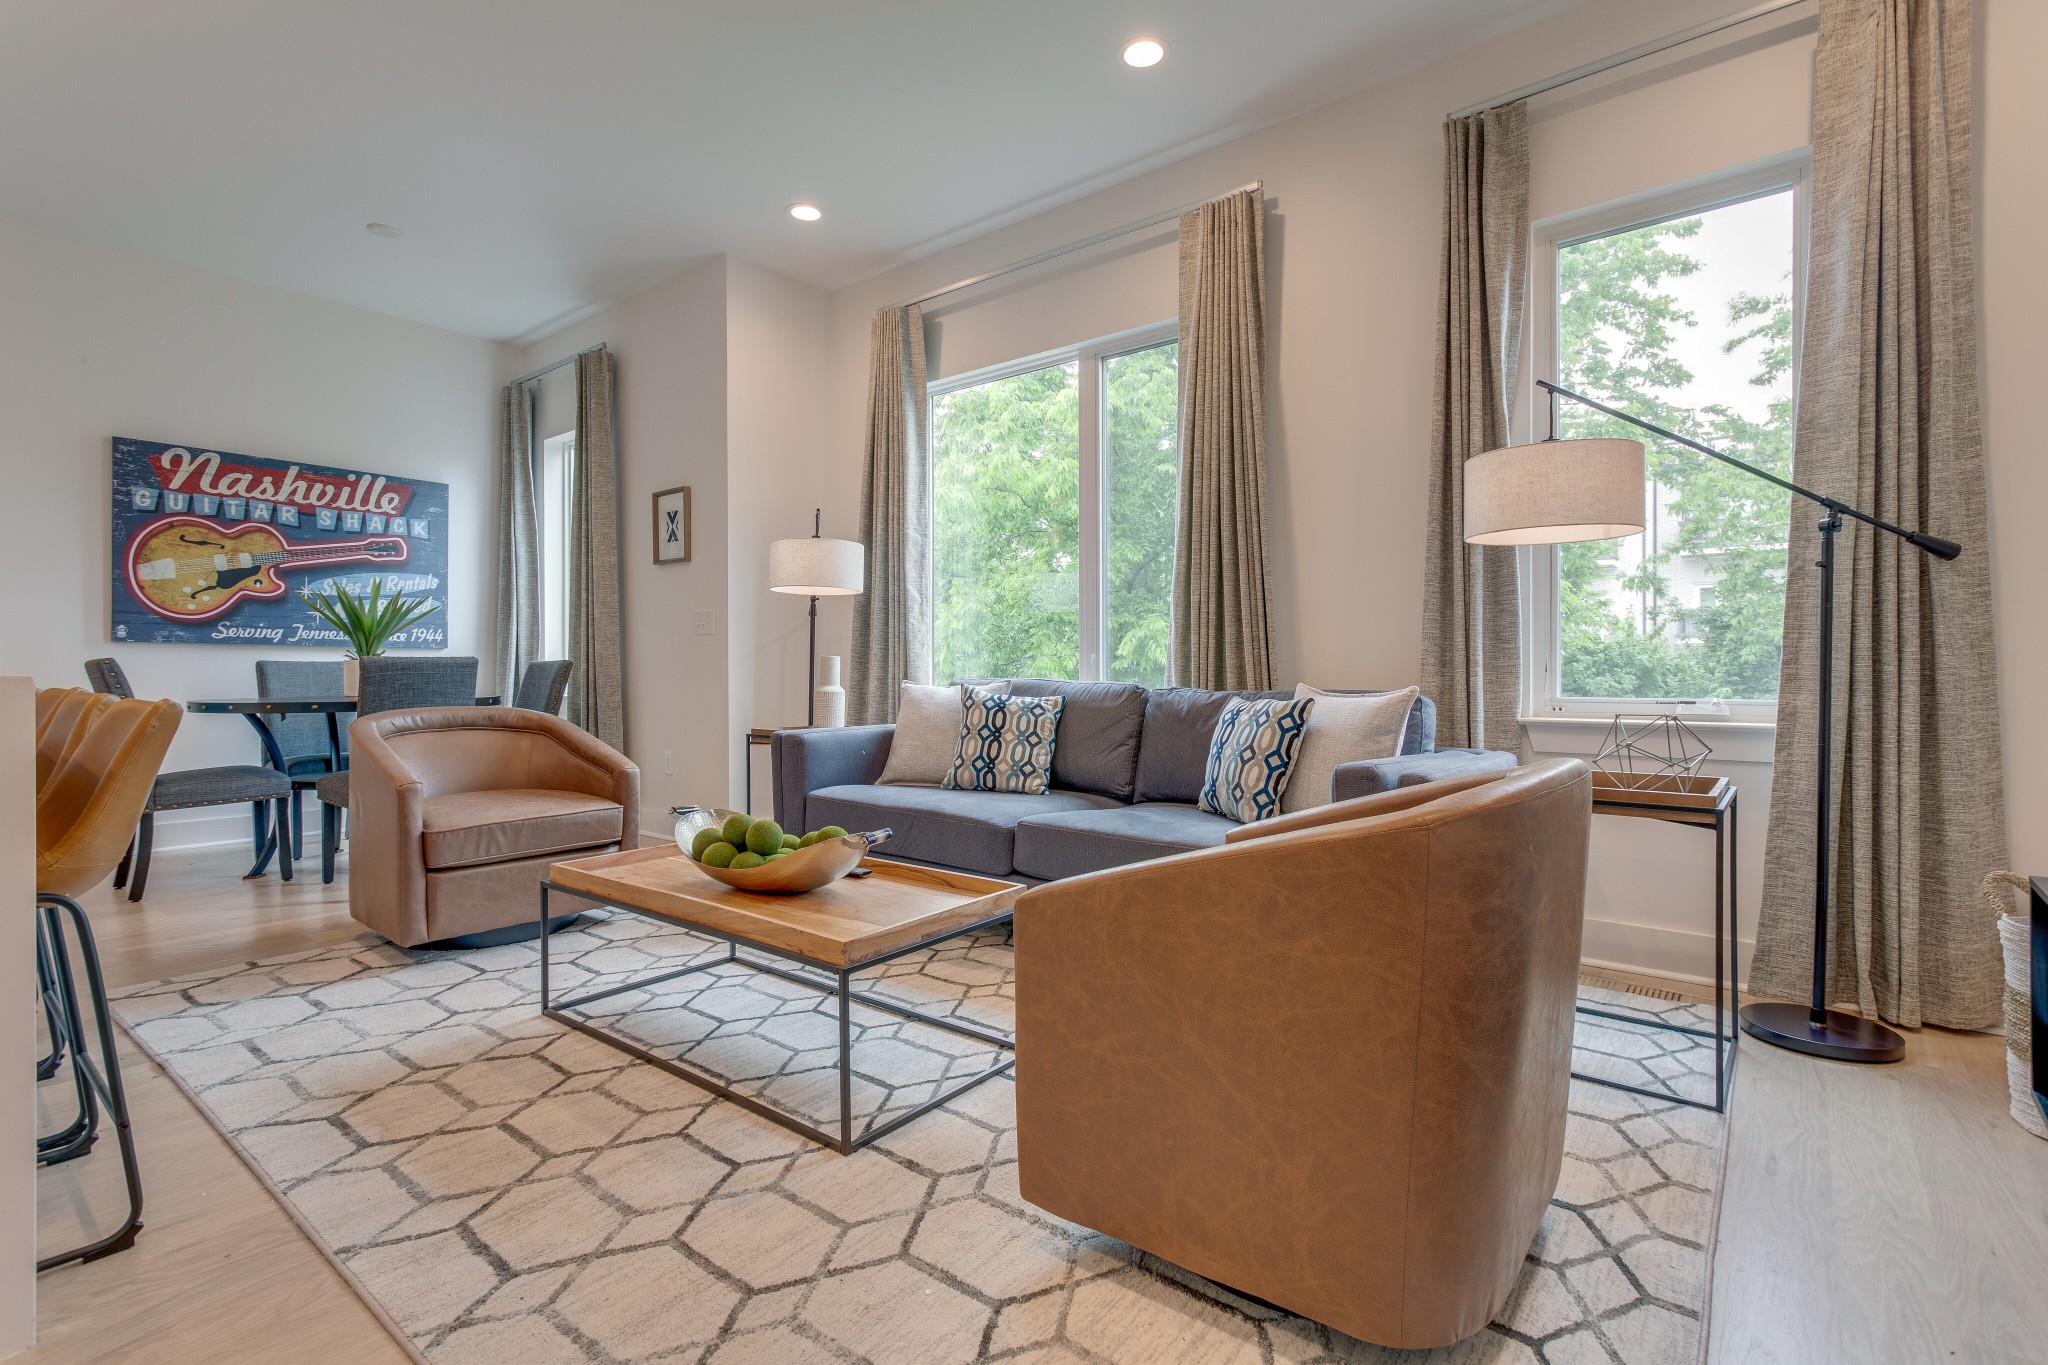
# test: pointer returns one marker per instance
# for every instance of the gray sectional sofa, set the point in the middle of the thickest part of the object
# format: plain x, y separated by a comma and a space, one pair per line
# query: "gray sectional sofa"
1127, 769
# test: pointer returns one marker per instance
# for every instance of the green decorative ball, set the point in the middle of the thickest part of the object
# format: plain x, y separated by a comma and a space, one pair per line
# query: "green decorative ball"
831, 832
747, 861
735, 830
764, 837
790, 841
778, 856
705, 839
718, 854
808, 840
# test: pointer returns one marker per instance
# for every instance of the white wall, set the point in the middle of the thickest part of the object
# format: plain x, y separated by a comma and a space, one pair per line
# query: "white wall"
99, 343
776, 367
2012, 204
720, 371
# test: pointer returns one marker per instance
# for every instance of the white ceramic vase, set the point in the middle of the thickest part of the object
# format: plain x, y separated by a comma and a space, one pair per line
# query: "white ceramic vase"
828, 701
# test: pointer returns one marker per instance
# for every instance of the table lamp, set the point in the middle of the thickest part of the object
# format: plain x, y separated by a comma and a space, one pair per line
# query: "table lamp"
815, 568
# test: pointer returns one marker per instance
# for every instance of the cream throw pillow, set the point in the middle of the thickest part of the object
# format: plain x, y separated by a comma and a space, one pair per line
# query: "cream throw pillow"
928, 724
1343, 729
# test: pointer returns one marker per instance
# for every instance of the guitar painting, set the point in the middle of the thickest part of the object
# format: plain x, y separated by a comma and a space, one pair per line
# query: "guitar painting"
212, 547
190, 569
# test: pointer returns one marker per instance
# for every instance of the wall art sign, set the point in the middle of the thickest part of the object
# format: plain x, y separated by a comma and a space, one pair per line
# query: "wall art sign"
214, 548
672, 526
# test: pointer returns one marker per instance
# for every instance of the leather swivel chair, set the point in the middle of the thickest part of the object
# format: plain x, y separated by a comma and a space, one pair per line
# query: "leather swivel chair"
456, 814
1326, 1064
85, 813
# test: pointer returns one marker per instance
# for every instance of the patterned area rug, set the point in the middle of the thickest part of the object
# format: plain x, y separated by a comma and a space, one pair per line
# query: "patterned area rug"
504, 1191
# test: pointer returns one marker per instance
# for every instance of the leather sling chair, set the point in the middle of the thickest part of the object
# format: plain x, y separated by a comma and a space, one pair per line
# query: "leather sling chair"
1326, 1064
84, 817
63, 715
456, 813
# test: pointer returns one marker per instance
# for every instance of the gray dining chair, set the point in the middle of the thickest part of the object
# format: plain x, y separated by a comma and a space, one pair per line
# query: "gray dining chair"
390, 683
230, 784
543, 686
303, 739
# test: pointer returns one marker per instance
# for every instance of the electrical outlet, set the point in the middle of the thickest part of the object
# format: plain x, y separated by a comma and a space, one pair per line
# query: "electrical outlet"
668, 760
701, 622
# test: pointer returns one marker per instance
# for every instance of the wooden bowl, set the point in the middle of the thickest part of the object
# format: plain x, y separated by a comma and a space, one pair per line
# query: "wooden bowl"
806, 869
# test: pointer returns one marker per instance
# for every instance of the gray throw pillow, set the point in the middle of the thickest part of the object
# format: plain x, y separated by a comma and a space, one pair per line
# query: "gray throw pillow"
927, 734
1174, 750
1099, 730
1344, 728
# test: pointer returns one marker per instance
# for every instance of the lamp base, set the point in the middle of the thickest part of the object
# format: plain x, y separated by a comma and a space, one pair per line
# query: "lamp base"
1843, 1038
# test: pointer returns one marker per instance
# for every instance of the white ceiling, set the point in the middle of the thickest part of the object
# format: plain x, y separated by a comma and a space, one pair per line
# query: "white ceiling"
544, 159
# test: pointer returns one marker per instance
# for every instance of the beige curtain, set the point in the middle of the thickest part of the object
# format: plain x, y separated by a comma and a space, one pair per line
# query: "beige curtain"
1222, 609
1888, 421
518, 542
1471, 608
892, 620
597, 682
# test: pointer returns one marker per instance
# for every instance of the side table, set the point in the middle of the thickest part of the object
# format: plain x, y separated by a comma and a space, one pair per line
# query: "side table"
757, 736
1707, 803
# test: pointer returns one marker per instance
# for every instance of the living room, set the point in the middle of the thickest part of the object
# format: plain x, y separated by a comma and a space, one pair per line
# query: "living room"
1169, 376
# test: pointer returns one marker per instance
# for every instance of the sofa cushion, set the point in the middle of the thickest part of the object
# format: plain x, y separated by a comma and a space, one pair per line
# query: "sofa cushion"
1069, 844
1006, 743
1345, 727
975, 831
1098, 736
928, 722
1179, 723
1252, 756
464, 829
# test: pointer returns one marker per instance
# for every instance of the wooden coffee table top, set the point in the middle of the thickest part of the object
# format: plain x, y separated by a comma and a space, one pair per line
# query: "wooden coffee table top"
852, 921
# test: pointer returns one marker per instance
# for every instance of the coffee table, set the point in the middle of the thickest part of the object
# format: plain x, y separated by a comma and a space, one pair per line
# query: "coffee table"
856, 923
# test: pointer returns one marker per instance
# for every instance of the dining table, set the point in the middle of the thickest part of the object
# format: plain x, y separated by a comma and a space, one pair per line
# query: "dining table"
260, 711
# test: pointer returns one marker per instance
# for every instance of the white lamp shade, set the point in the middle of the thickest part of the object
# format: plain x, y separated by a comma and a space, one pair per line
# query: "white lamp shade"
815, 567
1553, 492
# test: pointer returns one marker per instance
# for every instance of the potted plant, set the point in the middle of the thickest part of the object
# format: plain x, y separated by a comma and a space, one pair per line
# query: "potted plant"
368, 621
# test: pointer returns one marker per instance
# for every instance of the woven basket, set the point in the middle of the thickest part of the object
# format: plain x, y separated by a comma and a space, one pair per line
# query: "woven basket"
2013, 937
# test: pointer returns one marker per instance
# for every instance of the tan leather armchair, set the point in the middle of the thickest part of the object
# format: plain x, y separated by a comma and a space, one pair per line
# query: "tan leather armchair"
456, 813
1328, 1065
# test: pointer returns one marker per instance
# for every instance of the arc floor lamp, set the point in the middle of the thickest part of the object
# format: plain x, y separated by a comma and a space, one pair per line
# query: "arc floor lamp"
1557, 491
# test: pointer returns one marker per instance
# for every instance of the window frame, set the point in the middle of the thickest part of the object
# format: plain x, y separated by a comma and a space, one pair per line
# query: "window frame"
1542, 665
1092, 404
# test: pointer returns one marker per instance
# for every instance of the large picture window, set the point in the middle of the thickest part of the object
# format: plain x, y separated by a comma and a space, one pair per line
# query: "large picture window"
1683, 313
1054, 488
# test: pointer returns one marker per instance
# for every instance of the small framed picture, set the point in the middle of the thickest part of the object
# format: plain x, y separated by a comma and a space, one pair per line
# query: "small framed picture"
672, 526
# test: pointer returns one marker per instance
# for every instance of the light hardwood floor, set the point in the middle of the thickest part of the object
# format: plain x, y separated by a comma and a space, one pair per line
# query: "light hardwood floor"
1871, 1215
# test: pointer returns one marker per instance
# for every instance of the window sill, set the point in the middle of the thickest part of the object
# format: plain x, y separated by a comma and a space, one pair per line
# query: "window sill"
1732, 741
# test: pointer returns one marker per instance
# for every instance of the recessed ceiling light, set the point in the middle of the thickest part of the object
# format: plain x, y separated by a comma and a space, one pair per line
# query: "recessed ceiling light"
380, 229
806, 213
1144, 52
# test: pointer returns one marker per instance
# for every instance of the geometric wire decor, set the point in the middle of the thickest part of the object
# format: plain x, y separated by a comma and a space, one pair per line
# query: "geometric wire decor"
1651, 753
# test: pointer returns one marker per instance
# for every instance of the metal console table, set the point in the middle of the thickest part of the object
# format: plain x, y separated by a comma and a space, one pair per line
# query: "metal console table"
1711, 807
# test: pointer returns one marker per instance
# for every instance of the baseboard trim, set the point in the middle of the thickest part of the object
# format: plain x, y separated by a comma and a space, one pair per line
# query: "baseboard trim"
1655, 950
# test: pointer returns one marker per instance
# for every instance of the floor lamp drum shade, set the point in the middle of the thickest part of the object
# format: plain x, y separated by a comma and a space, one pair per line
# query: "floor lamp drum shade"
1555, 491
816, 567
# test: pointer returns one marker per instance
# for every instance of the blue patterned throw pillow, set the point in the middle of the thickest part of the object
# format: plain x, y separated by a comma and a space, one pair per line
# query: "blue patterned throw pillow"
1005, 743
1251, 756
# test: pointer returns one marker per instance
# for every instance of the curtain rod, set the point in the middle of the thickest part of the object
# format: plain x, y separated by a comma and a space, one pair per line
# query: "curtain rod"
549, 369
1042, 257
1649, 49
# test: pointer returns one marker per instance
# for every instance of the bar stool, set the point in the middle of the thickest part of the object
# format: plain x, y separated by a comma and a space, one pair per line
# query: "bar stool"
84, 813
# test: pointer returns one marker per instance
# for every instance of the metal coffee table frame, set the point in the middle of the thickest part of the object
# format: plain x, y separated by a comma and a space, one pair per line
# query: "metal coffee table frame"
840, 986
